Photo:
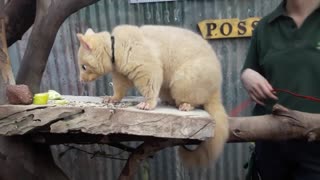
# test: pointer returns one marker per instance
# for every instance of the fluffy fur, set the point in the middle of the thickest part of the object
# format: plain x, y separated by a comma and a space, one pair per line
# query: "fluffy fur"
172, 63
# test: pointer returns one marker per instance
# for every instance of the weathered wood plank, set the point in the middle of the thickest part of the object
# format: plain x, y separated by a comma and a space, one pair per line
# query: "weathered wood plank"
7, 110
163, 122
34, 119
128, 121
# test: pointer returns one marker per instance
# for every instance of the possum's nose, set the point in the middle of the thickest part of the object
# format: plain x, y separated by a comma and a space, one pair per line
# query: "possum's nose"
83, 80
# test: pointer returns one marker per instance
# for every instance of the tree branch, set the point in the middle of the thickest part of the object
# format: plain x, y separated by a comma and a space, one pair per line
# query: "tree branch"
20, 16
50, 15
283, 124
142, 152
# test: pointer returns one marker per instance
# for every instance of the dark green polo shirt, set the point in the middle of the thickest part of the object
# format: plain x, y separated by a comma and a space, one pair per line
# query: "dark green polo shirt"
288, 57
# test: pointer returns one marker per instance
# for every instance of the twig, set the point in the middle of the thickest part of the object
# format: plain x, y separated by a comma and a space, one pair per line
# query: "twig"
94, 154
122, 147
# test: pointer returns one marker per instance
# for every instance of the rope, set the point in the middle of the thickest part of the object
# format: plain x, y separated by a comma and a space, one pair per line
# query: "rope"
235, 111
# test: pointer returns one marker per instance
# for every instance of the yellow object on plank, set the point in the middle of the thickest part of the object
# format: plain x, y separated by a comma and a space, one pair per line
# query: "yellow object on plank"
40, 98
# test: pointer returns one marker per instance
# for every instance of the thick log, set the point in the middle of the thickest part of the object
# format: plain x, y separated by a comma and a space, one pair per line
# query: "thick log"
50, 15
282, 124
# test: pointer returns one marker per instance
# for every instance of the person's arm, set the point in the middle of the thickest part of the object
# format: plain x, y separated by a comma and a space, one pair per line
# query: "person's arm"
256, 85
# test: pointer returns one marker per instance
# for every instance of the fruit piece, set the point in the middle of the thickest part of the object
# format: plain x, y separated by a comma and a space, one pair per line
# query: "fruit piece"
40, 98
61, 102
54, 95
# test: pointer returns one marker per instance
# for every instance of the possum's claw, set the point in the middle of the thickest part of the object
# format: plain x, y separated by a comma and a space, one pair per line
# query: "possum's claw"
109, 99
144, 106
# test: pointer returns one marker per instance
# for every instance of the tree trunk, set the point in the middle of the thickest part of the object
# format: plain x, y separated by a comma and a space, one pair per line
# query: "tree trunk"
50, 15
19, 18
6, 75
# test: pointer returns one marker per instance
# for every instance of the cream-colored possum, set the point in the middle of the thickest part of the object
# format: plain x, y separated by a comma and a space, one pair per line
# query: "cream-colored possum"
172, 63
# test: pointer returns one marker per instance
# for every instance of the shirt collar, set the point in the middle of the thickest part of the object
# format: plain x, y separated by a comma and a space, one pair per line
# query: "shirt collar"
281, 11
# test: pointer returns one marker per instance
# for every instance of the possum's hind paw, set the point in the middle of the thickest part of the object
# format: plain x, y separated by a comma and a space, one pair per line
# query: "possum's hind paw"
185, 107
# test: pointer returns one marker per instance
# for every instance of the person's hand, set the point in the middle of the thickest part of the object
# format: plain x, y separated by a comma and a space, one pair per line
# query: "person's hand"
259, 89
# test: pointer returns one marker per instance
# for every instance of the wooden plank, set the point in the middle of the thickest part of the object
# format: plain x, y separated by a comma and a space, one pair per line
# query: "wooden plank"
7, 110
34, 119
91, 117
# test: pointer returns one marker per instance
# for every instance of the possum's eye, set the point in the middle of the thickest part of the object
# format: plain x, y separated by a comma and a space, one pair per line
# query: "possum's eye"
84, 67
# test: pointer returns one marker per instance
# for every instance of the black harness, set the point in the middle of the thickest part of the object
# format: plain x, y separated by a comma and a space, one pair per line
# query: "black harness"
112, 49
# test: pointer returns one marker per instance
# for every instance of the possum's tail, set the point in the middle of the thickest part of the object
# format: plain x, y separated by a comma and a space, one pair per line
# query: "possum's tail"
209, 150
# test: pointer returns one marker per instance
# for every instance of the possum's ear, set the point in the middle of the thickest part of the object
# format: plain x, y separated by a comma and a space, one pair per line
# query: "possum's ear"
89, 32
83, 42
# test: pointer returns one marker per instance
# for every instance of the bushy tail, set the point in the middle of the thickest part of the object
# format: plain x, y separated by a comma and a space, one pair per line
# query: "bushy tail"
209, 150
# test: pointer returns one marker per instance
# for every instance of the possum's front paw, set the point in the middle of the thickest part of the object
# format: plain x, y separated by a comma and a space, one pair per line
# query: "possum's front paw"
146, 105
110, 99
185, 107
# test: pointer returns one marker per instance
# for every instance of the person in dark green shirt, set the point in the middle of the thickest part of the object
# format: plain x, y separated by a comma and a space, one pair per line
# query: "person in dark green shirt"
284, 53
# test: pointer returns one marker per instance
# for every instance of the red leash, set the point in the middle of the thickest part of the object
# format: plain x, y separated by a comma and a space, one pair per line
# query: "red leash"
311, 98
235, 111
246, 103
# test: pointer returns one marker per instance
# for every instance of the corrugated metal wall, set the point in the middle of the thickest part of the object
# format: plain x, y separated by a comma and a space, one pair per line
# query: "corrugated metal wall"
61, 75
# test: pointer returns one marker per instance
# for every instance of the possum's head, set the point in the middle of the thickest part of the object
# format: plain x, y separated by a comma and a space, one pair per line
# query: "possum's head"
94, 55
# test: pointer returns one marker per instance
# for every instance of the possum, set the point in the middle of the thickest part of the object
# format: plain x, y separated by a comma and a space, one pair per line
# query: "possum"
174, 64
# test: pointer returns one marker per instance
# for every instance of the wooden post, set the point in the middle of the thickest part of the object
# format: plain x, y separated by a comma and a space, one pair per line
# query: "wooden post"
21, 159
6, 75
